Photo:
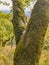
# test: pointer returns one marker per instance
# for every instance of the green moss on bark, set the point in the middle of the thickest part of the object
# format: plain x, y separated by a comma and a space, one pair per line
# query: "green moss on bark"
29, 49
18, 16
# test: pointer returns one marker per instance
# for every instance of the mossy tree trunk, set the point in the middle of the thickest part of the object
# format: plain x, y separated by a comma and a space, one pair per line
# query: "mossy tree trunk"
29, 49
18, 16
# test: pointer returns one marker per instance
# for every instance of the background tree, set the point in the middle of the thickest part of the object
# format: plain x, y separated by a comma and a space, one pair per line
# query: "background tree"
29, 49
6, 16
6, 28
4, 3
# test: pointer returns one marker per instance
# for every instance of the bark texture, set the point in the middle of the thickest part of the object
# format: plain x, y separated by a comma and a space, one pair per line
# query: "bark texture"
29, 49
18, 16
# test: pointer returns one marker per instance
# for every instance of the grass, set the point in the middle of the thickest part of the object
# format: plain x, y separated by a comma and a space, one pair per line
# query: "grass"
7, 54
44, 60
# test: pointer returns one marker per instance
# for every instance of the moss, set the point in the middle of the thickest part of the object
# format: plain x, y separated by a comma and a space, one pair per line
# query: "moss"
29, 49
18, 16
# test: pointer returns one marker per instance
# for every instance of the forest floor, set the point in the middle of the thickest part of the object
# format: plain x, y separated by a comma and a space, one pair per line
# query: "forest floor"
7, 54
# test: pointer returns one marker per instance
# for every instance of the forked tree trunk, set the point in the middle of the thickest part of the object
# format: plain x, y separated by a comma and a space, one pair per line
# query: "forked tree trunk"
29, 49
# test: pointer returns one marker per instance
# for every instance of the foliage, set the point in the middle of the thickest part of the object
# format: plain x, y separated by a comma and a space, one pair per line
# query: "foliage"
6, 30
4, 3
7, 16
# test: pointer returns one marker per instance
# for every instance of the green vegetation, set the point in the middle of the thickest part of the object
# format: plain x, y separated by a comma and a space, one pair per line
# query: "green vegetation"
6, 28
19, 17
29, 49
30, 34
7, 54
46, 41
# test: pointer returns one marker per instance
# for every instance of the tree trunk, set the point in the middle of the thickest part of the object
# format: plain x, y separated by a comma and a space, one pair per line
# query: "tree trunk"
29, 49
18, 15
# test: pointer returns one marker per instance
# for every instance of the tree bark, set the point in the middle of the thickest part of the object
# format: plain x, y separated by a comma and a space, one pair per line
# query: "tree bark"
29, 49
18, 15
